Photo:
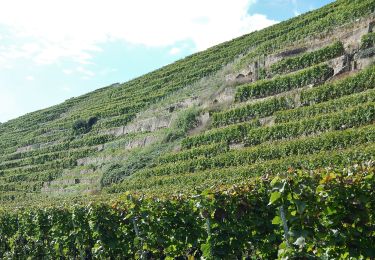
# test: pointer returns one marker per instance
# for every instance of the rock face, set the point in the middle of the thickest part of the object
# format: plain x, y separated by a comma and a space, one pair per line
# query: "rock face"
141, 142
227, 95
204, 118
35, 147
93, 160
364, 58
61, 185
340, 64
28, 148
203, 121
86, 171
146, 125
292, 52
183, 104
267, 121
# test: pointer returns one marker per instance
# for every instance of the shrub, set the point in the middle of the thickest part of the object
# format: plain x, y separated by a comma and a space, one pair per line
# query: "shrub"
82, 126
92, 121
368, 41
186, 121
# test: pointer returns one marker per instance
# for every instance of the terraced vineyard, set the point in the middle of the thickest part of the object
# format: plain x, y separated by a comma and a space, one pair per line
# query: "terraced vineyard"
258, 148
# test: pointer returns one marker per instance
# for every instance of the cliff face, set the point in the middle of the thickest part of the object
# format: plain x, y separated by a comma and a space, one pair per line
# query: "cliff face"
115, 138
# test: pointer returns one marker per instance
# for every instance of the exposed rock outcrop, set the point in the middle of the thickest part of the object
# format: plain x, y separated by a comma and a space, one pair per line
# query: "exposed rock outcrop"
364, 58
93, 160
183, 104
146, 125
140, 142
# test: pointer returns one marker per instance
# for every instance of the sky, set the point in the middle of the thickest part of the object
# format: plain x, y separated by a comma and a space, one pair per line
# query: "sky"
52, 50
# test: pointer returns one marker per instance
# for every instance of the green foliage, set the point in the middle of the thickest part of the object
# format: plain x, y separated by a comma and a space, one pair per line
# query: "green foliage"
263, 88
330, 211
308, 59
262, 74
306, 145
186, 121
211, 199
325, 107
117, 121
233, 133
368, 40
118, 171
298, 200
174, 135
352, 117
81, 126
360, 82
251, 111
91, 121
169, 182
193, 153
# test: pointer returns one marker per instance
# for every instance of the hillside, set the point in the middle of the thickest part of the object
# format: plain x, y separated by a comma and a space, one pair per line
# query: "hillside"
251, 149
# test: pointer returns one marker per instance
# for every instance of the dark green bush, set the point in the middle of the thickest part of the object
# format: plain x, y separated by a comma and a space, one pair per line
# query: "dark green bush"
81, 126
368, 41
92, 121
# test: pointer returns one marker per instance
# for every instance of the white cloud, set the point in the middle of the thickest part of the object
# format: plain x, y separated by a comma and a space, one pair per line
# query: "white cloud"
30, 78
87, 73
174, 51
74, 29
67, 71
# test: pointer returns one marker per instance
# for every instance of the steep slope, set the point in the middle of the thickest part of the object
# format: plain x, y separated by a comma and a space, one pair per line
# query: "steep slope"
101, 137
287, 101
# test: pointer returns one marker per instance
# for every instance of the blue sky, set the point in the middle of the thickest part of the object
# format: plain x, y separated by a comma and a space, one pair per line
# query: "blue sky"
52, 50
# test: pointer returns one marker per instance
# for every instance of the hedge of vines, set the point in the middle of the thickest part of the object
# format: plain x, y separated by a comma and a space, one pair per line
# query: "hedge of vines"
362, 81
233, 133
308, 59
327, 214
201, 151
167, 183
302, 146
263, 88
352, 117
325, 107
251, 111
253, 134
